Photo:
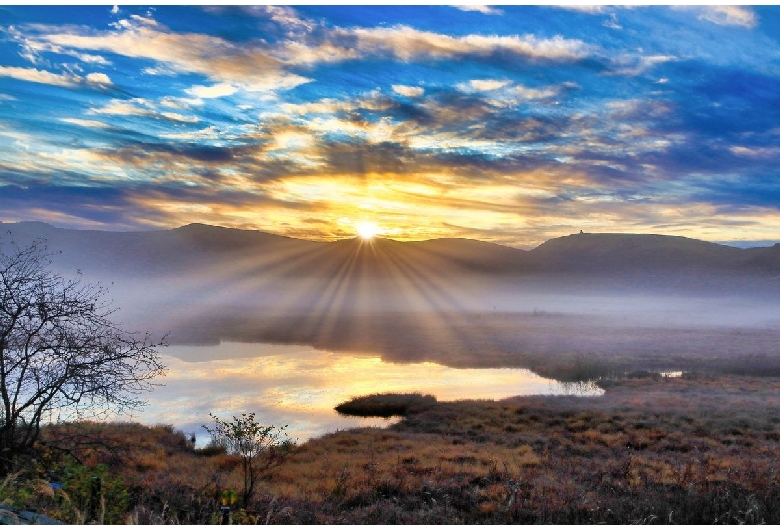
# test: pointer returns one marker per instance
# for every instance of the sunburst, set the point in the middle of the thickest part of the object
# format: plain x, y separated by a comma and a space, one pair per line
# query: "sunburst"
367, 230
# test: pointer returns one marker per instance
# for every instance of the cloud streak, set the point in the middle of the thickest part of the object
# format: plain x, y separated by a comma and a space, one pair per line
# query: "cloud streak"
143, 38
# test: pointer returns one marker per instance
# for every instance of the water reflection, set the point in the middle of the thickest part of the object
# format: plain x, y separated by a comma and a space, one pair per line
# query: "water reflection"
299, 385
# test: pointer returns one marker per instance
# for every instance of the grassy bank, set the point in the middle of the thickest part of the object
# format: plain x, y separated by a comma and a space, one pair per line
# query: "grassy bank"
680, 450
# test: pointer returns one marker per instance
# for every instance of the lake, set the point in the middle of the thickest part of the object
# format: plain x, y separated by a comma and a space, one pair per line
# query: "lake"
299, 386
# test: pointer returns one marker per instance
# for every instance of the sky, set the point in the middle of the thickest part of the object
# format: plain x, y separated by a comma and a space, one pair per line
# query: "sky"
510, 124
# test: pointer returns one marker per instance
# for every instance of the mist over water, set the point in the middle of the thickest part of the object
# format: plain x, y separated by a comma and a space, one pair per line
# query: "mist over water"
293, 361
196, 311
169, 302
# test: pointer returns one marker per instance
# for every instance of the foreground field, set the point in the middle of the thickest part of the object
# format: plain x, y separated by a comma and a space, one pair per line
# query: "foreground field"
652, 449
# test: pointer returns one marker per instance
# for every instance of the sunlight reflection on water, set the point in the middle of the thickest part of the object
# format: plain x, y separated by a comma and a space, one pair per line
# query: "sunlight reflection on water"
300, 385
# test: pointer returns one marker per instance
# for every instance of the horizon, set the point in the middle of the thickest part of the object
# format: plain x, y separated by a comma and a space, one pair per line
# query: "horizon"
511, 125
358, 237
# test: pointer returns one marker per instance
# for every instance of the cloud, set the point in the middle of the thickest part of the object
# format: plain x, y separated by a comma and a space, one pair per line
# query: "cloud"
159, 70
207, 133
98, 79
175, 116
483, 85
32, 50
266, 66
524, 92
301, 53
143, 108
214, 91
485, 10
407, 43
287, 17
757, 152
408, 91
632, 65
505, 93
725, 15
89, 58
584, 8
133, 107
33, 75
612, 22
92, 124
250, 66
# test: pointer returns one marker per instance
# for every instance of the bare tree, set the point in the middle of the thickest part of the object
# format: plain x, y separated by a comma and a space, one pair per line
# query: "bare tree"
261, 448
61, 354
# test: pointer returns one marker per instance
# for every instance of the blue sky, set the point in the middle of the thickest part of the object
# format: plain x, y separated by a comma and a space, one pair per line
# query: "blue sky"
511, 124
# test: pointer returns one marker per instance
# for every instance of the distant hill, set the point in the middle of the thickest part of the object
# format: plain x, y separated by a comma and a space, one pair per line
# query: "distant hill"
189, 248
233, 253
637, 254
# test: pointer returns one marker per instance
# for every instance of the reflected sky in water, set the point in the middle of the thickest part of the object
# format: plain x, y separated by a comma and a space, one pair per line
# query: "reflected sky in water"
299, 386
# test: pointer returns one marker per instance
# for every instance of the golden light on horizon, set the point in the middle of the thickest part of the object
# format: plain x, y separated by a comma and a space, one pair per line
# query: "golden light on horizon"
367, 229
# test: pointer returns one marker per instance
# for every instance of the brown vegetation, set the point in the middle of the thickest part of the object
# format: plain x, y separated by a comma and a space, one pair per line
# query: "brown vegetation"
652, 449
386, 405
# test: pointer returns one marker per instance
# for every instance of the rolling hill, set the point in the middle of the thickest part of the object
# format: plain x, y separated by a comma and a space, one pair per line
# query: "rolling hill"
198, 247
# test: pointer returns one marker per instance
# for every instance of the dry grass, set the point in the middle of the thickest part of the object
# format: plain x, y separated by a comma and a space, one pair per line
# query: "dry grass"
651, 450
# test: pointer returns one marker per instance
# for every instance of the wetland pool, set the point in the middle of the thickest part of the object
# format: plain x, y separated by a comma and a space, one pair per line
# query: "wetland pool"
299, 386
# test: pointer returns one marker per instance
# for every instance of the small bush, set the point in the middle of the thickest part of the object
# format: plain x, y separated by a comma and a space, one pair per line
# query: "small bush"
386, 405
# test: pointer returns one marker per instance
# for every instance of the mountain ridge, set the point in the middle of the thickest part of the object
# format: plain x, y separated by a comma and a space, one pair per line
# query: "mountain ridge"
212, 247
191, 227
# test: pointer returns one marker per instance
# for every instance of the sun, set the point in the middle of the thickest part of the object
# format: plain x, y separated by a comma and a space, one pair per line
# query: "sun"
367, 229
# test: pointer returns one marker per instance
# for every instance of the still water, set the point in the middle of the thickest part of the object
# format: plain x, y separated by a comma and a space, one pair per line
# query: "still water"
298, 386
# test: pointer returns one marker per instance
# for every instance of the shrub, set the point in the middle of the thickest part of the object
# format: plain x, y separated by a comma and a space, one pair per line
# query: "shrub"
260, 448
386, 405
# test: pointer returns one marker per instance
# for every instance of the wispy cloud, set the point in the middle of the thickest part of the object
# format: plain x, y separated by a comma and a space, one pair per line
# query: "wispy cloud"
33, 75
584, 8
634, 64
98, 78
483, 85
134, 107
742, 16
485, 10
409, 91
407, 43
142, 108
214, 91
92, 124
251, 67
67, 80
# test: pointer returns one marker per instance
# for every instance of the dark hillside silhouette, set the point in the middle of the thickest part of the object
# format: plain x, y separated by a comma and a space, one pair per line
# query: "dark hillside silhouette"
203, 248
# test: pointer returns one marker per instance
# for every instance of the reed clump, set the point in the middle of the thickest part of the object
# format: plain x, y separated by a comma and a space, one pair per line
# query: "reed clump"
386, 405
